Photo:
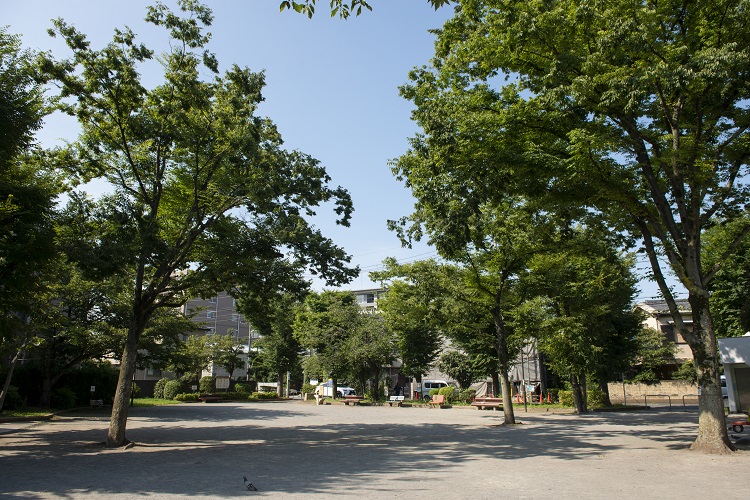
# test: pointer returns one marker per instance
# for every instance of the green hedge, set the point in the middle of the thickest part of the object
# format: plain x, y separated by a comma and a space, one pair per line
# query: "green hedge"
450, 393
187, 397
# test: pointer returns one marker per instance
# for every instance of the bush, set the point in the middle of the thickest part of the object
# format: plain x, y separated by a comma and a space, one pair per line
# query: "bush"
63, 398
595, 396
467, 395
187, 397
264, 395
242, 388
207, 385
172, 388
449, 392
159, 388
565, 397
13, 399
308, 389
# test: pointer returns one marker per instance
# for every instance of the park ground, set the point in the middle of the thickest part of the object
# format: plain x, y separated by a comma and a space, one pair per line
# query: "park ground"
294, 449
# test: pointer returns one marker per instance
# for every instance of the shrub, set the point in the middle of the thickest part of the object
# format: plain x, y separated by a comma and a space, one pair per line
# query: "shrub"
264, 395
159, 388
172, 388
242, 388
207, 385
63, 398
187, 397
565, 397
308, 389
13, 399
467, 395
449, 392
595, 396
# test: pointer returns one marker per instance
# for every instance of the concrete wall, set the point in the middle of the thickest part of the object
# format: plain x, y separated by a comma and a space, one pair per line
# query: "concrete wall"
635, 393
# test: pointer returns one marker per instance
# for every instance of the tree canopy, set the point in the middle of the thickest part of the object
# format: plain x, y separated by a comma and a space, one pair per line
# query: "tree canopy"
635, 114
199, 180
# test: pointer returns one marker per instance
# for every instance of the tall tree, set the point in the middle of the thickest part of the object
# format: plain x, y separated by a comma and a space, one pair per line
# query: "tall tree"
190, 164
27, 198
730, 289
273, 314
590, 328
324, 325
370, 349
411, 309
635, 111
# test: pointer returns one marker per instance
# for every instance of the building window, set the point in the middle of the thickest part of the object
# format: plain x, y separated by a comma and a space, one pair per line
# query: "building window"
211, 314
153, 372
668, 331
213, 300
366, 298
235, 318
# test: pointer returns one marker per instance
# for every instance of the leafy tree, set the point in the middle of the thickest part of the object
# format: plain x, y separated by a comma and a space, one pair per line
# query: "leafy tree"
410, 309
370, 348
636, 113
27, 197
273, 317
194, 356
324, 325
226, 352
730, 288
590, 328
458, 366
341, 8
196, 174
654, 351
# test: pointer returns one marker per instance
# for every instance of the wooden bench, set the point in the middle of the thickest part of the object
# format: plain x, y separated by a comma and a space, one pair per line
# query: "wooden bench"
437, 400
209, 398
395, 400
486, 402
354, 400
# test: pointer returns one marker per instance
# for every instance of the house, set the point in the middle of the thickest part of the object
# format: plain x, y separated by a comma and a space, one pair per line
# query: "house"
658, 317
735, 356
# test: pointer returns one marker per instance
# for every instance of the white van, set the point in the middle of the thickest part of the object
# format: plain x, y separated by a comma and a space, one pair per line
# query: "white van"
428, 385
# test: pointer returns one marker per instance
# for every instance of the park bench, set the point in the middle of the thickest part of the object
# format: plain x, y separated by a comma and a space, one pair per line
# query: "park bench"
437, 400
96, 403
353, 400
209, 398
487, 402
397, 400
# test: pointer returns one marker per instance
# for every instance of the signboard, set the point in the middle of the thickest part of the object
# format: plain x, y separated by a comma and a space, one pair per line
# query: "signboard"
222, 382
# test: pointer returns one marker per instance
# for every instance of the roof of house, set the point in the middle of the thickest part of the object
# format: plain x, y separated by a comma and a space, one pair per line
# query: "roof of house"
660, 306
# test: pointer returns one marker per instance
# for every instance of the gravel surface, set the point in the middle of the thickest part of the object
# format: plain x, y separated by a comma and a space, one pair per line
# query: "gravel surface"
295, 450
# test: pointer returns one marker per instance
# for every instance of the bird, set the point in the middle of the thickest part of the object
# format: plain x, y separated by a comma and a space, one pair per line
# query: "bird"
249, 486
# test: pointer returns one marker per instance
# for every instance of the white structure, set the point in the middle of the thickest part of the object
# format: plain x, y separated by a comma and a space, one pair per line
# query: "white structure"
735, 356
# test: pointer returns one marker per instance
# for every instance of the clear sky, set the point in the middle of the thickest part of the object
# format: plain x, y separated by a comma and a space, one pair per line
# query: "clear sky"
331, 88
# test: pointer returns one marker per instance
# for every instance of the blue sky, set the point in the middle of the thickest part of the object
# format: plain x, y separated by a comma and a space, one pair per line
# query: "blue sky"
331, 88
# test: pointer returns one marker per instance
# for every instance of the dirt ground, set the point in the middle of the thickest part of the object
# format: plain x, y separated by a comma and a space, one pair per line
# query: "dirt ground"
295, 450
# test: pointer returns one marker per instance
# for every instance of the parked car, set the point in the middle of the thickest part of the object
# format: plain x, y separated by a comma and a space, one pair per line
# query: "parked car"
428, 385
341, 391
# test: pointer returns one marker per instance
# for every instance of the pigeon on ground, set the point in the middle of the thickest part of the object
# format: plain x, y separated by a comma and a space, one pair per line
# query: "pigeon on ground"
249, 486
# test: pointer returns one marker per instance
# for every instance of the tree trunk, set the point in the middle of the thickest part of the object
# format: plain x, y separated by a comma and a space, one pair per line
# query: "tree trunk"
496, 384
120, 404
510, 417
604, 386
577, 383
9, 375
712, 429
280, 384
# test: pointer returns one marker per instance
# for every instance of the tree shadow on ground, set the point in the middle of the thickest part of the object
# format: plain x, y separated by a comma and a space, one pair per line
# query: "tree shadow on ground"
196, 451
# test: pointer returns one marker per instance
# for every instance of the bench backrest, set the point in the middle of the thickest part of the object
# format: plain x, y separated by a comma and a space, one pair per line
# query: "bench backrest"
396, 398
488, 400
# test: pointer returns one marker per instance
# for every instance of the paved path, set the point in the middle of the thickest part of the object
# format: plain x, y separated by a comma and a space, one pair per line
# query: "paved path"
299, 450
